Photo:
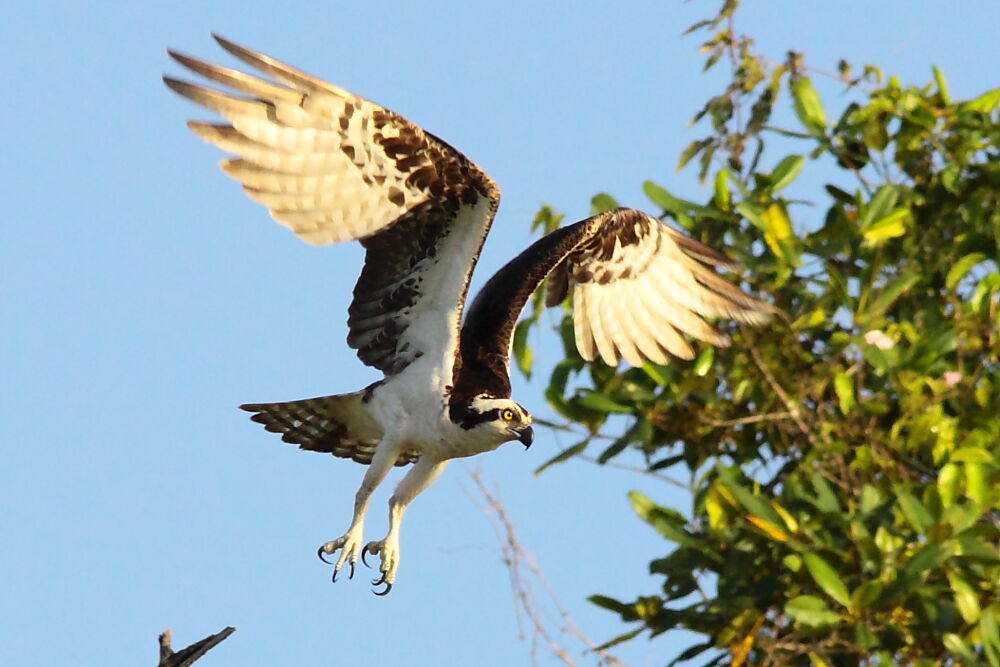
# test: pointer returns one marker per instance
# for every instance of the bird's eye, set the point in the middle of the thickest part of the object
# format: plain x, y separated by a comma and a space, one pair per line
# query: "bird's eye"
507, 415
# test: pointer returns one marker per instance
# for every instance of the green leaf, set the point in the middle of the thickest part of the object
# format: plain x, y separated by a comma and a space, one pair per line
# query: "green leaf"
691, 150
941, 85
595, 400
826, 499
659, 196
704, 362
602, 202
954, 643
990, 636
844, 388
866, 593
928, 557
666, 522
984, 103
752, 214
811, 611
786, 171
961, 267
965, 598
522, 352
889, 226
947, 483
971, 454
808, 107
722, 190
916, 514
567, 453
891, 292
827, 578
612, 605
883, 200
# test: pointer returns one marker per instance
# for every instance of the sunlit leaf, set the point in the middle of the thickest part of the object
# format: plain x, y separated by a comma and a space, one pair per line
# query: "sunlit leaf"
786, 171
602, 202
889, 226
704, 362
768, 528
941, 85
811, 611
827, 578
844, 388
965, 597
722, 190
807, 104
961, 267
984, 103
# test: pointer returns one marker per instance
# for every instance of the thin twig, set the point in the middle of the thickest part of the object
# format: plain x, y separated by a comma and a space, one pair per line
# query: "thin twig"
528, 604
792, 406
753, 419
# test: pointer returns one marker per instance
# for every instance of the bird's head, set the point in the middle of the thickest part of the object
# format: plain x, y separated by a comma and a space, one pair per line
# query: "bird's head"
499, 417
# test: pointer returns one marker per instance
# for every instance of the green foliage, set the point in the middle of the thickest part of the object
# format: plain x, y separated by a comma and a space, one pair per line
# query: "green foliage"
844, 461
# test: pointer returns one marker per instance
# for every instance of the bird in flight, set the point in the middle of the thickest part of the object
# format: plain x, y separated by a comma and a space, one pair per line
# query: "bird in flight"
332, 166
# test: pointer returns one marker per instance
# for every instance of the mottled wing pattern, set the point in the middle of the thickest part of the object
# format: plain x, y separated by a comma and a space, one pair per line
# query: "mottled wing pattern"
333, 166
329, 165
335, 424
637, 286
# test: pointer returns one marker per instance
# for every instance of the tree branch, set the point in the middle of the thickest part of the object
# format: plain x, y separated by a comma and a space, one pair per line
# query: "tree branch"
185, 657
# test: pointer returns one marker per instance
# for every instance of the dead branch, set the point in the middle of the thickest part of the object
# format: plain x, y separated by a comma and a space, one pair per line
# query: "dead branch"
185, 657
526, 578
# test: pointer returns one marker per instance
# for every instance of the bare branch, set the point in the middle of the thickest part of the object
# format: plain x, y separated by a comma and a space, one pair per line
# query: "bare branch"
525, 575
185, 657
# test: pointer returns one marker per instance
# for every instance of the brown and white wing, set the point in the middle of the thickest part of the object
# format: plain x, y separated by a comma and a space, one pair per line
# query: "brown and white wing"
637, 284
332, 166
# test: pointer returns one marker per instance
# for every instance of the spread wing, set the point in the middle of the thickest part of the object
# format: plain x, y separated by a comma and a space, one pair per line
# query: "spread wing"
332, 166
637, 286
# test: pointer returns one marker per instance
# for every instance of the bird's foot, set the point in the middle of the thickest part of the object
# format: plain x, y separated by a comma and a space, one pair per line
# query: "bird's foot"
388, 552
349, 546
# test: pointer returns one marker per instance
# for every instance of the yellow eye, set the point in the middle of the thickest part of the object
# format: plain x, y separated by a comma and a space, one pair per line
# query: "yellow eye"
507, 415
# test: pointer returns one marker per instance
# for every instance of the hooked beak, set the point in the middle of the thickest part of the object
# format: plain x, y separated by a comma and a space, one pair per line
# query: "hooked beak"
525, 434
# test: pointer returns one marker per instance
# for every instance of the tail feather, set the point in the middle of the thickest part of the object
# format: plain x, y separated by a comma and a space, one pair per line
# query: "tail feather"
337, 424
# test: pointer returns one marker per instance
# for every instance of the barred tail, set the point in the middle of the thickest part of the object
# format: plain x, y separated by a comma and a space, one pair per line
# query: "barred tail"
338, 424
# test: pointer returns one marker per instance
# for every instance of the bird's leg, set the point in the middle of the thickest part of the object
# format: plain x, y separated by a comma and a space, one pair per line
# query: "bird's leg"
350, 542
419, 478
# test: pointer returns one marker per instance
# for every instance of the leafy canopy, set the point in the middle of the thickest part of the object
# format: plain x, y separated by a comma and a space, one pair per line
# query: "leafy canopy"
844, 462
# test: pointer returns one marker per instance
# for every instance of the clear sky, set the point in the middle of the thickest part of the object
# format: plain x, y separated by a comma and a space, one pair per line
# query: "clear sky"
142, 298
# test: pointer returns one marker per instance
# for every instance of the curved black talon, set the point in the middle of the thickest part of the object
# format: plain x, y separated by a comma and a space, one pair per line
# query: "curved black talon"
388, 587
364, 550
351, 575
320, 552
334, 577
379, 581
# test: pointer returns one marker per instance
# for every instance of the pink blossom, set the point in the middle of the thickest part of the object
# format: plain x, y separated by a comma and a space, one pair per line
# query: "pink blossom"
878, 338
951, 378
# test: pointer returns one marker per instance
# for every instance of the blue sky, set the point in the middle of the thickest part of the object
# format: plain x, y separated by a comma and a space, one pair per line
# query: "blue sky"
143, 297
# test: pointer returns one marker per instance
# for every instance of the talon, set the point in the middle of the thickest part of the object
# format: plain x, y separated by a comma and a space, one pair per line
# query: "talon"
380, 580
334, 577
351, 575
364, 551
320, 552
388, 587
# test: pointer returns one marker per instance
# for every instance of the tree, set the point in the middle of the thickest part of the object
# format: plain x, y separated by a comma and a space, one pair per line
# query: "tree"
844, 462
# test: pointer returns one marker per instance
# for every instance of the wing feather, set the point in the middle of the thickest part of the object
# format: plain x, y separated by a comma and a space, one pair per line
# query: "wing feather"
332, 166
636, 285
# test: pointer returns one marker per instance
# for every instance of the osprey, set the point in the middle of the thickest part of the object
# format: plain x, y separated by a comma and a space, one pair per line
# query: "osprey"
332, 166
